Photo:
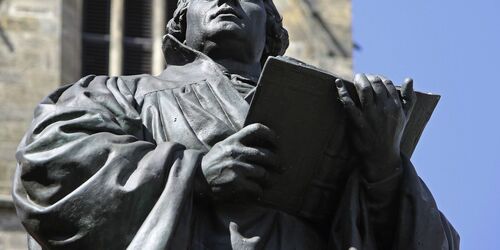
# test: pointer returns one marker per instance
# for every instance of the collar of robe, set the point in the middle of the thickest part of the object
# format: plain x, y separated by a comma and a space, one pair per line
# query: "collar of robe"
182, 59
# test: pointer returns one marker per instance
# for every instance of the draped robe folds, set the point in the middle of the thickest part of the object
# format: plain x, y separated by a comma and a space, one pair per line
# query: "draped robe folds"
111, 163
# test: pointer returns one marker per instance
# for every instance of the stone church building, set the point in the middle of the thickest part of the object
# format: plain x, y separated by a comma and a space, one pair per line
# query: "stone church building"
44, 44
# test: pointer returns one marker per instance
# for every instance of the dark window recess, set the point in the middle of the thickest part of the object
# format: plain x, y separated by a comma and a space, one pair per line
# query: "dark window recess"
138, 18
95, 56
96, 14
95, 37
137, 51
137, 56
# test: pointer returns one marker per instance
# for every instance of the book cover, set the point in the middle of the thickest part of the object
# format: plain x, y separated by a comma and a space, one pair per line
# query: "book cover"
300, 103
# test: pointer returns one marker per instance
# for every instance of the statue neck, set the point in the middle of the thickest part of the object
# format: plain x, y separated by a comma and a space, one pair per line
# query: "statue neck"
177, 53
250, 71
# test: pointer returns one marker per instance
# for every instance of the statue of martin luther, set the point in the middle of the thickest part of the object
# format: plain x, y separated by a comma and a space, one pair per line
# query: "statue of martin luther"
164, 162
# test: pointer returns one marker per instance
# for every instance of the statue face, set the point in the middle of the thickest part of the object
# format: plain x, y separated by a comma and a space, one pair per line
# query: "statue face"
227, 24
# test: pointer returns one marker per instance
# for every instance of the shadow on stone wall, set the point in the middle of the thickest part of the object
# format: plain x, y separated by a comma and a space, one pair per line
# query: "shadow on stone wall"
12, 234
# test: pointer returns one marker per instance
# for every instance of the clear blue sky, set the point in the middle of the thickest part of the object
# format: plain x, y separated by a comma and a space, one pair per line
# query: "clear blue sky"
450, 47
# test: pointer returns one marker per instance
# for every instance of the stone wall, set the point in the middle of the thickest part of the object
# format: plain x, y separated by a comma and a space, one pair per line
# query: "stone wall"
320, 33
31, 65
12, 235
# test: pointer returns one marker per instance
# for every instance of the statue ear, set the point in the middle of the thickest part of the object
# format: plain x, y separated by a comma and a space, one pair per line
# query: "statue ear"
177, 25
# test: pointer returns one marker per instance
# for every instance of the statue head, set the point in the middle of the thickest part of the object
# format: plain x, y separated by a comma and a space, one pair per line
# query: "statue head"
251, 25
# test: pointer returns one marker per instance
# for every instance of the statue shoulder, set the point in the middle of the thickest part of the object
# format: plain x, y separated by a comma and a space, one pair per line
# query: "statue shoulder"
142, 85
133, 85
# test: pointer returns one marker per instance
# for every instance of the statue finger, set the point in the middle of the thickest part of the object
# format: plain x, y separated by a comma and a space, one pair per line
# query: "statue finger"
383, 78
393, 92
409, 98
263, 157
256, 173
353, 112
365, 90
379, 88
258, 135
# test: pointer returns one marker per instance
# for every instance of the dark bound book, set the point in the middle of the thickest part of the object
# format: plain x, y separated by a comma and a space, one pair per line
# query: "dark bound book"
300, 103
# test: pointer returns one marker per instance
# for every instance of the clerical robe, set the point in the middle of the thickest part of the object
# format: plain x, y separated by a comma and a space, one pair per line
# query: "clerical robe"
113, 162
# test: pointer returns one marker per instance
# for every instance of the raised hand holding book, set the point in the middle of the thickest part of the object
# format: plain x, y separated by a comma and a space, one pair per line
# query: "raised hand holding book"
300, 103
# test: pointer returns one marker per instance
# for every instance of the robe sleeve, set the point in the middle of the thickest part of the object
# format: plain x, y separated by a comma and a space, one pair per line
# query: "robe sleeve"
87, 178
416, 222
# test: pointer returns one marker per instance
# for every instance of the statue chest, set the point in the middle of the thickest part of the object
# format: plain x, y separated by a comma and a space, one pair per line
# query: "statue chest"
197, 115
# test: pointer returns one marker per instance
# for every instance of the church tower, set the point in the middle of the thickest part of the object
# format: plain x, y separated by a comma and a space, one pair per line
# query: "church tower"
44, 44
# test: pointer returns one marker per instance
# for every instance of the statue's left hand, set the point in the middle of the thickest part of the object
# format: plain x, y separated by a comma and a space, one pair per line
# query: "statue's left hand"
379, 122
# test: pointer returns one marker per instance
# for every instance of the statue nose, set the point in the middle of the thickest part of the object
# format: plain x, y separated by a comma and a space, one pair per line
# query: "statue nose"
228, 2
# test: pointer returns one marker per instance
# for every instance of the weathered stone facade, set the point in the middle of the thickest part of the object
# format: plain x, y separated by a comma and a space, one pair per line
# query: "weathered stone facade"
40, 49
33, 60
12, 235
320, 33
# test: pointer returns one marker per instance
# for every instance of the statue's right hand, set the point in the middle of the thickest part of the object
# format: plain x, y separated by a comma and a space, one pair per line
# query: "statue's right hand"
237, 167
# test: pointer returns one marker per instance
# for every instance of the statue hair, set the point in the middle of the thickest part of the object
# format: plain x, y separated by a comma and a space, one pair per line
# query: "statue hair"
276, 35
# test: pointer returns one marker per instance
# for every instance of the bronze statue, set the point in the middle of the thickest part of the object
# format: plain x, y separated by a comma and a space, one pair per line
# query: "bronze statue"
164, 162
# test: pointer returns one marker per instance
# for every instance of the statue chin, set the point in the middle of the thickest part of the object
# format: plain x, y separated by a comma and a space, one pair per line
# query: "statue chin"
228, 28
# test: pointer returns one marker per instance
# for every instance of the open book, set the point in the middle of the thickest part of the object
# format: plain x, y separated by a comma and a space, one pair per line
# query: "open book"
300, 103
